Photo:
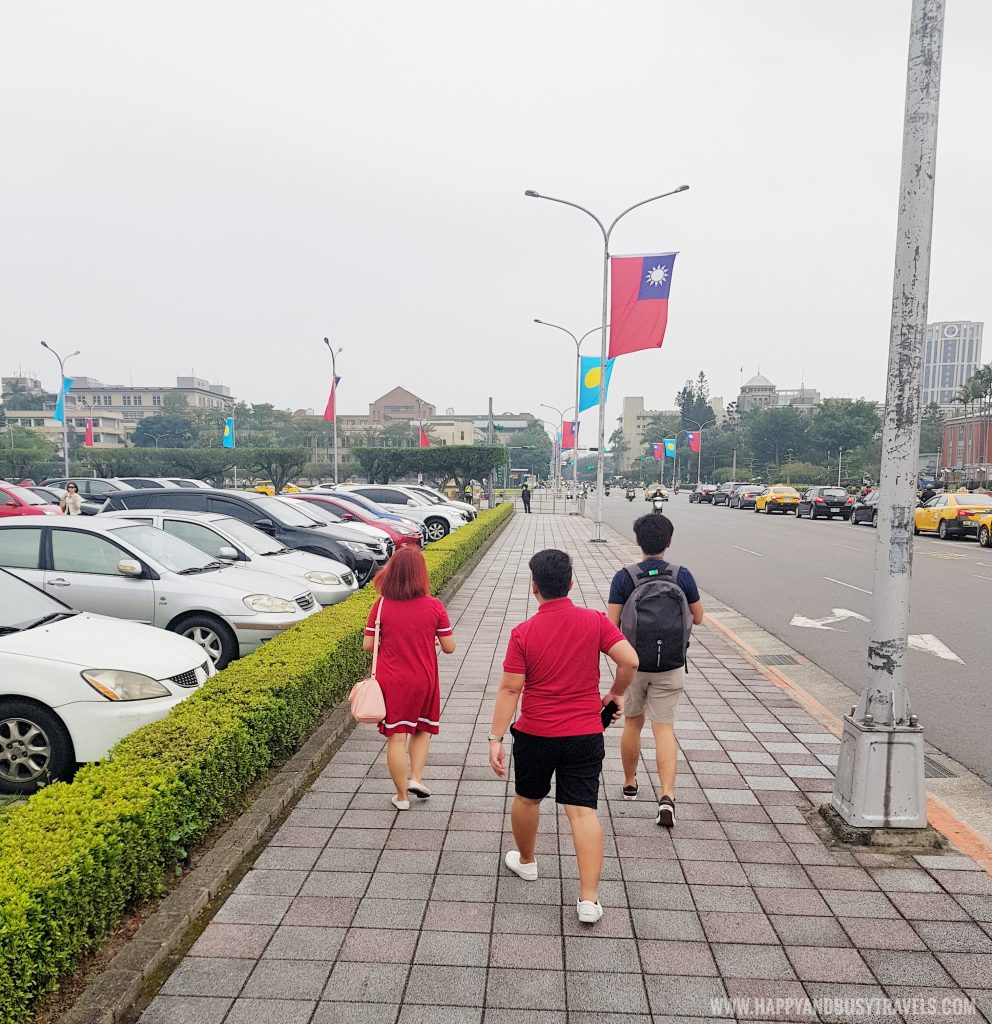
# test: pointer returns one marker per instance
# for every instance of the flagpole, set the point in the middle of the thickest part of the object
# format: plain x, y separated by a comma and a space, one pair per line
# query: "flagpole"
334, 392
598, 529
65, 421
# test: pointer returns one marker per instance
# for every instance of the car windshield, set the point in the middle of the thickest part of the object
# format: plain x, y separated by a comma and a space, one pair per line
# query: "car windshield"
168, 551
284, 511
248, 535
428, 496
313, 515
21, 605
324, 511
975, 501
23, 495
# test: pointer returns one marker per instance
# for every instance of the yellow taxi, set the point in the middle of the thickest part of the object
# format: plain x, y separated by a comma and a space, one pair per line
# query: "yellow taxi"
985, 530
267, 487
777, 498
953, 515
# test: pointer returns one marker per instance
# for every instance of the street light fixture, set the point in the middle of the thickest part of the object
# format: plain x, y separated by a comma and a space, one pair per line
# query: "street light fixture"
599, 530
65, 421
699, 428
334, 389
561, 432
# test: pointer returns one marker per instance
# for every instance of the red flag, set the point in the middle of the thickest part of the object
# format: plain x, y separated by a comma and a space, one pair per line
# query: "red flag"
693, 438
89, 434
424, 439
659, 451
570, 435
639, 301
329, 410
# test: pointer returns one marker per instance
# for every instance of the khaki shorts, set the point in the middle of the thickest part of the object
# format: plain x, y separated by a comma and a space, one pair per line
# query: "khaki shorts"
655, 695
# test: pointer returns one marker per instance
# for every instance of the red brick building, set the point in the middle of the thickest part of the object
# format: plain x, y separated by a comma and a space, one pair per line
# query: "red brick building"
966, 449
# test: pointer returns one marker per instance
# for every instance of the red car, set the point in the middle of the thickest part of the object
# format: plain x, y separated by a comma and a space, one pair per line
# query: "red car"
398, 533
19, 501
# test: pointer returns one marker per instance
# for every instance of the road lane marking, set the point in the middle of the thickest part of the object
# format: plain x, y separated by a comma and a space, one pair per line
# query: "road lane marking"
839, 615
850, 547
841, 583
978, 576
749, 551
929, 644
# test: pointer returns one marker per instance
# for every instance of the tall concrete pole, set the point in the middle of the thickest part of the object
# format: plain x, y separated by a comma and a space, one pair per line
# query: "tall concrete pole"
880, 774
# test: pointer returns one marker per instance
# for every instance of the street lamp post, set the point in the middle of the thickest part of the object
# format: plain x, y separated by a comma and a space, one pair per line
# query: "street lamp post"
578, 379
561, 432
65, 421
334, 388
599, 530
699, 461
880, 777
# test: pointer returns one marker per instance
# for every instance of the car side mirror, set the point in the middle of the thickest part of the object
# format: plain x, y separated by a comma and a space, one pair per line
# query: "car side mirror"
11, 504
347, 517
265, 525
129, 567
228, 554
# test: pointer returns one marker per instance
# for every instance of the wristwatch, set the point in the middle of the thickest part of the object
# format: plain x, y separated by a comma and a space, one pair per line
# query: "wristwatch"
493, 738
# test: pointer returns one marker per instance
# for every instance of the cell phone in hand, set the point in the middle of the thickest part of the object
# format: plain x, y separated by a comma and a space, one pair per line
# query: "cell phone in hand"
609, 710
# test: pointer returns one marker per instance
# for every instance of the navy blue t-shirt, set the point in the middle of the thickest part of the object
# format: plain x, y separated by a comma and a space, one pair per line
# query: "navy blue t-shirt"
623, 586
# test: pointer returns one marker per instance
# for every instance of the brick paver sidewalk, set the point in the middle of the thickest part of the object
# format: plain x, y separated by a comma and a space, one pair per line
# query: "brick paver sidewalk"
356, 913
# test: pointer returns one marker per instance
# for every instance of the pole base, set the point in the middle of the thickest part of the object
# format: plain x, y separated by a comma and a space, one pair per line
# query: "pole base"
891, 840
879, 782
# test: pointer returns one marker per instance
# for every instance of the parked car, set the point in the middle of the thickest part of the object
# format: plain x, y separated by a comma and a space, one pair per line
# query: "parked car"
146, 481
744, 495
864, 509
348, 513
90, 487
721, 496
952, 515
268, 487
131, 570
378, 541
777, 498
183, 482
437, 498
439, 520
985, 530
231, 540
825, 502
22, 501
53, 495
72, 684
373, 508
282, 520
702, 492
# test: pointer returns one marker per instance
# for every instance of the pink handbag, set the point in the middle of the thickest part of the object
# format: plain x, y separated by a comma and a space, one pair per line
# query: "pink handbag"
367, 704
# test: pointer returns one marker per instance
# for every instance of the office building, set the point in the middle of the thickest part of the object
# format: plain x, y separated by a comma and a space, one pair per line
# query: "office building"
952, 353
135, 403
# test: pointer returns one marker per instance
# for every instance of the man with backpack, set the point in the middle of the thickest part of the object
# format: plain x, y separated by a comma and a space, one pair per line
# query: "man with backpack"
655, 603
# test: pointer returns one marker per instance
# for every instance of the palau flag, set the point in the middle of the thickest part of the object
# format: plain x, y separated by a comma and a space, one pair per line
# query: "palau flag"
589, 381
670, 447
59, 414
639, 288
228, 441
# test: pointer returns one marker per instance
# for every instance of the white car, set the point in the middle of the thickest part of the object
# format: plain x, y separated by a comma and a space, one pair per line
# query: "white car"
73, 684
242, 545
437, 498
438, 520
131, 570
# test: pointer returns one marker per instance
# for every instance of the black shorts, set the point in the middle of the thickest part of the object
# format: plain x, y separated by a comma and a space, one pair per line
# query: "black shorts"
576, 762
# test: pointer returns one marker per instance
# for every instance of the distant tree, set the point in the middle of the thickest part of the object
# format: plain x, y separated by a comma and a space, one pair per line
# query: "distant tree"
279, 465
693, 401
770, 433
165, 430
841, 423
932, 429
22, 451
532, 450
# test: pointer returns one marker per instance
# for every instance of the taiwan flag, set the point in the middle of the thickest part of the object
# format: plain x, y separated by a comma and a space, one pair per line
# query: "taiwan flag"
570, 435
692, 436
639, 288
424, 439
88, 441
329, 409
670, 447
659, 452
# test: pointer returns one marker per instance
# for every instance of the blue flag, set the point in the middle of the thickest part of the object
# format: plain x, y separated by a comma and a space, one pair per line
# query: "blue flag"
589, 381
670, 447
60, 403
229, 432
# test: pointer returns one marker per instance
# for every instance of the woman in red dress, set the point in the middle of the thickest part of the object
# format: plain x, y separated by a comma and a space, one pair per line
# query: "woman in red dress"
410, 623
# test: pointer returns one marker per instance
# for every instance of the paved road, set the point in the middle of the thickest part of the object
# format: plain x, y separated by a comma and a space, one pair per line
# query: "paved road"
772, 568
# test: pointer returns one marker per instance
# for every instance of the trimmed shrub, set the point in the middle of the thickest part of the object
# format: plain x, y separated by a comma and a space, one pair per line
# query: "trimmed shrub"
77, 855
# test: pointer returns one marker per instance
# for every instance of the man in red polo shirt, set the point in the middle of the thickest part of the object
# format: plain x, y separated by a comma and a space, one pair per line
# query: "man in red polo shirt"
553, 658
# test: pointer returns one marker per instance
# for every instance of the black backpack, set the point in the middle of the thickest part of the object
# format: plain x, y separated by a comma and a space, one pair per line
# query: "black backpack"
656, 618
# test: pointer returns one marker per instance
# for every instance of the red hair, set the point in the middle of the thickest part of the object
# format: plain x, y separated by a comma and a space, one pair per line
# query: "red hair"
405, 576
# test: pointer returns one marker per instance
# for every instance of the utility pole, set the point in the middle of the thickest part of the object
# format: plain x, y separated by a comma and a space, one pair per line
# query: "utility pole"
492, 442
880, 780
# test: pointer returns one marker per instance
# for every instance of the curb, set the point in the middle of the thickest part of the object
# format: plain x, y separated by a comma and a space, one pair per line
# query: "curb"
113, 993
969, 842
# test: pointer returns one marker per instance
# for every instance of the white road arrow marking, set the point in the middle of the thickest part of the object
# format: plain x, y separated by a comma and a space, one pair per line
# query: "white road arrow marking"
839, 615
929, 644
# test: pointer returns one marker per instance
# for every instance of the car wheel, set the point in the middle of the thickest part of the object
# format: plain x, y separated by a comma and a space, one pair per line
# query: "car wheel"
852, 519
984, 537
437, 529
916, 530
35, 747
874, 519
942, 531
214, 636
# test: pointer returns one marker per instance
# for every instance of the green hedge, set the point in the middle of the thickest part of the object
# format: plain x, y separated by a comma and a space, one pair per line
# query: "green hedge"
77, 855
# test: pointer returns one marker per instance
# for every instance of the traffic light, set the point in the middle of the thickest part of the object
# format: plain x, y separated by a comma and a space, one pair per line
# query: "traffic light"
591, 467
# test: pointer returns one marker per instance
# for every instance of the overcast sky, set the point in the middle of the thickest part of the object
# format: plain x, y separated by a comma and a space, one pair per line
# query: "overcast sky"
215, 186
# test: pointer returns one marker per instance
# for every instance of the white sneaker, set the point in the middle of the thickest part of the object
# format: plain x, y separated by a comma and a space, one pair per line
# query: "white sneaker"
418, 789
528, 872
589, 912
401, 805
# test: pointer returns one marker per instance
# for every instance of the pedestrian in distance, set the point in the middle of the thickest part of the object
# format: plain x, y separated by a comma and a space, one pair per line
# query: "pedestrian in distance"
655, 603
525, 497
553, 660
71, 503
410, 622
